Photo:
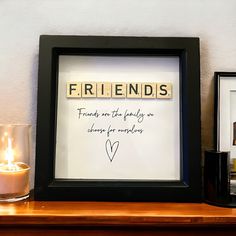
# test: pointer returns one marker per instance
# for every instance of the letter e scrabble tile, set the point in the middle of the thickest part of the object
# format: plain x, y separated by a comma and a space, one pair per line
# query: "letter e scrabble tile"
118, 90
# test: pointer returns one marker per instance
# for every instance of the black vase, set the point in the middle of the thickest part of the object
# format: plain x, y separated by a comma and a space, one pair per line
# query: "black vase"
217, 177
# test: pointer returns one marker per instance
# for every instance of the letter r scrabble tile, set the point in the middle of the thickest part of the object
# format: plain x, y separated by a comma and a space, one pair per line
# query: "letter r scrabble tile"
89, 89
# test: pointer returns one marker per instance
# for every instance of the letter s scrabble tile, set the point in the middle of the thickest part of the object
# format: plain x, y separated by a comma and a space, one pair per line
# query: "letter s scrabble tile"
164, 90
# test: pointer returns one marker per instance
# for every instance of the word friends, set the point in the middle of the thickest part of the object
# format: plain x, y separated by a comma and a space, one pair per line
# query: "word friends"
119, 90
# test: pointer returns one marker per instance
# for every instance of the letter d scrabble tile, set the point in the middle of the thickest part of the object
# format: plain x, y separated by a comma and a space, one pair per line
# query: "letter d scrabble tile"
148, 90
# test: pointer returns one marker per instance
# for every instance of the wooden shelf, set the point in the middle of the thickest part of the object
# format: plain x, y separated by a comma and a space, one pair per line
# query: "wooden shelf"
107, 215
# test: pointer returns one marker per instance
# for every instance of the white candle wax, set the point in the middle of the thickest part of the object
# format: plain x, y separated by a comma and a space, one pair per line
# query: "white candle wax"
14, 180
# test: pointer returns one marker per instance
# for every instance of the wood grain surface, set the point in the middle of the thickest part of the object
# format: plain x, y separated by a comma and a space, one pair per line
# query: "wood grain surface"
112, 214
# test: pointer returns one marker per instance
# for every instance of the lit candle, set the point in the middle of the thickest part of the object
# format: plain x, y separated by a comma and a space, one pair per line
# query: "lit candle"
14, 176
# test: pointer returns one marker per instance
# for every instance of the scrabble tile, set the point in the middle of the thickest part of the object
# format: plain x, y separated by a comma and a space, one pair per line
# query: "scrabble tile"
89, 89
73, 89
118, 90
134, 90
148, 90
103, 90
164, 90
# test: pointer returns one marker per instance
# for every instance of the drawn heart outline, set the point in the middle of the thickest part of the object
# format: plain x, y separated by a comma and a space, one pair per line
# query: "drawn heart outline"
111, 149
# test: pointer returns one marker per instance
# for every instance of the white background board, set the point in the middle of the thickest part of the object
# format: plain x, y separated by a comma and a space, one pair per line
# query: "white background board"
152, 155
227, 114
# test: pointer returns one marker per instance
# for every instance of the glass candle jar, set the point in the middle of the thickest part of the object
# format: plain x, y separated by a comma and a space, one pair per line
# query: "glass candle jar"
15, 149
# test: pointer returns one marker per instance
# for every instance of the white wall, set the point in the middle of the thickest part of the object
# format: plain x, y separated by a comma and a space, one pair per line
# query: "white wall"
22, 21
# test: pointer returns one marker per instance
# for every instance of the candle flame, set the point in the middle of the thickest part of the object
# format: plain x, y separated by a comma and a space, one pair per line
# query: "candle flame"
9, 153
9, 156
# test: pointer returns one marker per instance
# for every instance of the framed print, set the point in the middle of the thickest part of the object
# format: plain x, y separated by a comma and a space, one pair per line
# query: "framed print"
118, 119
225, 119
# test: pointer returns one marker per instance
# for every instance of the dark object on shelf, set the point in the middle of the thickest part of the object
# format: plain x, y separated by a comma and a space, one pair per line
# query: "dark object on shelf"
217, 179
216, 176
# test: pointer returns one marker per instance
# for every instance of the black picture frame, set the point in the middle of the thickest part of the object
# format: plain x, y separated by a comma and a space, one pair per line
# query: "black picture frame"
217, 108
230, 199
188, 189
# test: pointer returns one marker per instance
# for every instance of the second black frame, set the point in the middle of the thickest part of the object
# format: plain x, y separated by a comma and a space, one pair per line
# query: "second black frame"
188, 189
